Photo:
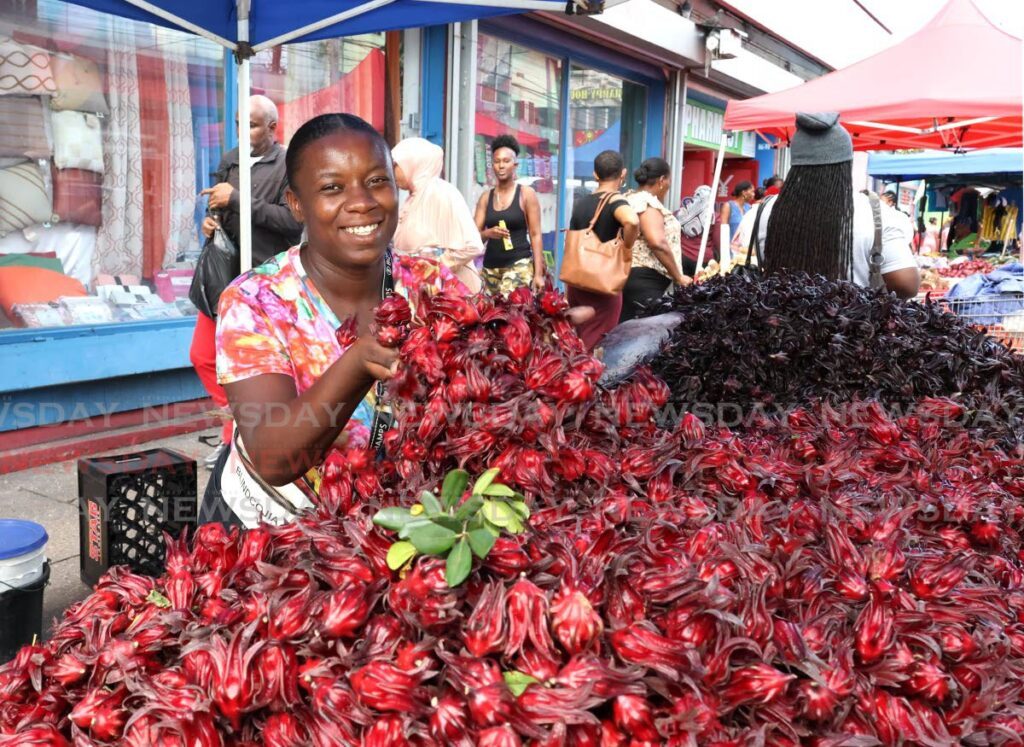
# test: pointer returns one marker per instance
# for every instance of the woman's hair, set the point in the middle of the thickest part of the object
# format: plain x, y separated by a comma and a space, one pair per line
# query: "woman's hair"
608, 164
758, 194
810, 228
505, 141
772, 181
741, 188
320, 127
651, 170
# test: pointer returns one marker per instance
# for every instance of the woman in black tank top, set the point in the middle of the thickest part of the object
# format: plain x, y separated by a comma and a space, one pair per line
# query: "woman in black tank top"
508, 217
615, 216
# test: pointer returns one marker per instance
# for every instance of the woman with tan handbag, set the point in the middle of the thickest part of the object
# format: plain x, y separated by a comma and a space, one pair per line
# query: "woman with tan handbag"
657, 254
607, 214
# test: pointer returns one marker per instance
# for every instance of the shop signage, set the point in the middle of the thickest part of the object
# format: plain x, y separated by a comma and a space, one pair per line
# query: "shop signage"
704, 128
596, 94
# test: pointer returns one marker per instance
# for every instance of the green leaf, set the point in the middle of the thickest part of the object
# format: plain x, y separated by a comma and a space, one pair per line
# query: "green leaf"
448, 521
515, 524
460, 563
403, 533
392, 517
498, 513
497, 490
432, 539
470, 507
399, 554
491, 529
521, 509
481, 541
454, 486
485, 480
430, 502
517, 682
158, 599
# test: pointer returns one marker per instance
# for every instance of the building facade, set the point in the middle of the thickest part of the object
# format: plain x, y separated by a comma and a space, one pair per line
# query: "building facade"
110, 128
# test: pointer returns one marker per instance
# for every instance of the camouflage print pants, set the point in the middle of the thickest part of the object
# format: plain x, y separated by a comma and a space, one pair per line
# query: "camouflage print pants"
506, 279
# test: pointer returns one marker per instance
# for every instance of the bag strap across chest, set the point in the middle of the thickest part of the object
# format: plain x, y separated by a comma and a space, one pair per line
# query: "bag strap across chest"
600, 208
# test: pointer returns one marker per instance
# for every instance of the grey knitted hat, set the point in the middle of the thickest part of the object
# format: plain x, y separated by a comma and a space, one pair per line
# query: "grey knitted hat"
819, 139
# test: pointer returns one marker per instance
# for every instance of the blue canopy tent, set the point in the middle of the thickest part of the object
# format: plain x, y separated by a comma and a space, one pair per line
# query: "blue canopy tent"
905, 167
248, 26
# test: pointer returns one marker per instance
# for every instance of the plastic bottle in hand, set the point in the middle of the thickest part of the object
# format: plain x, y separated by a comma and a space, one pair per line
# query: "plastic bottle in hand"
507, 240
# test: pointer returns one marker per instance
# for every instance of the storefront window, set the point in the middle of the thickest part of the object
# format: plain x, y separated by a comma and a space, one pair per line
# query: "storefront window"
108, 130
605, 113
518, 94
333, 75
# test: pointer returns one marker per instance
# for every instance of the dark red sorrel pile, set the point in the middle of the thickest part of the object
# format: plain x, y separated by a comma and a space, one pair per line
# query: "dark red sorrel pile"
830, 578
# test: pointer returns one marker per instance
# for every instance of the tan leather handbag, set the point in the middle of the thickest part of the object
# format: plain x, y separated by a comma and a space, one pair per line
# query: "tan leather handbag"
594, 265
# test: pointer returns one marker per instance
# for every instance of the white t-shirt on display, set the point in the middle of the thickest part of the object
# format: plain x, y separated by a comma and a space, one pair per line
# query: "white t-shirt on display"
896, 251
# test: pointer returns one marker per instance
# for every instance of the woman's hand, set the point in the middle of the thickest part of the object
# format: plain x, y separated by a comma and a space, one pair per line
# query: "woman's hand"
580, 314
377, 362
540, 279
495, 232
684, 280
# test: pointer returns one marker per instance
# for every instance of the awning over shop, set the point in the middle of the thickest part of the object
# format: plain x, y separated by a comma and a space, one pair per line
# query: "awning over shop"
920, 93
490, 127
909, 166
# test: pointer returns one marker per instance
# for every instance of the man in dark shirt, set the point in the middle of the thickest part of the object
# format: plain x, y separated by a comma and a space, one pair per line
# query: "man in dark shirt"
273, 228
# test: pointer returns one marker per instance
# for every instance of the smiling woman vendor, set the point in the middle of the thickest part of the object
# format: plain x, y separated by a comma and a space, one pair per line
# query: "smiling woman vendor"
294, 388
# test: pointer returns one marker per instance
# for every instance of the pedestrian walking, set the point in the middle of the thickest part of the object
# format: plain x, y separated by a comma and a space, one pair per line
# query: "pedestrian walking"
435, 219
610, 214
508, 217
657, 253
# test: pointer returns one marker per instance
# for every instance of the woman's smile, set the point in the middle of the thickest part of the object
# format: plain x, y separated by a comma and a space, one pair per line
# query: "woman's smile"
365, 230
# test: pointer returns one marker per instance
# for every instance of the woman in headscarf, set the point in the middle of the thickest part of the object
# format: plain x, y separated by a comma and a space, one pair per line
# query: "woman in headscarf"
435, 220
693, 216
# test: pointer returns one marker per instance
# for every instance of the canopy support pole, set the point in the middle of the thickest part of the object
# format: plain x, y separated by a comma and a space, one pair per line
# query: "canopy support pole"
711, 204
180, 22
244, 144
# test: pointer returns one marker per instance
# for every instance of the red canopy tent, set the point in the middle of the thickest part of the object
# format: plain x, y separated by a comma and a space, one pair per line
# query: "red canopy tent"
921, 93
917, 94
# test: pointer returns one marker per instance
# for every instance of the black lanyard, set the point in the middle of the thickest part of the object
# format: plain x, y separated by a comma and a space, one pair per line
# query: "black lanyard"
382, 417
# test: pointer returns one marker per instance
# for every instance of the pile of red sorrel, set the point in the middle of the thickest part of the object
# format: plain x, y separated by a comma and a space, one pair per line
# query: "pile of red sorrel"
832, 577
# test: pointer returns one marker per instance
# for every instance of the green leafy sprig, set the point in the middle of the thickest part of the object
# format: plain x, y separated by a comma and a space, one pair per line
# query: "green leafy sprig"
442, 526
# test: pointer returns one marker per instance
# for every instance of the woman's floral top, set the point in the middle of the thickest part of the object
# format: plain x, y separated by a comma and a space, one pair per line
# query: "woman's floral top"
640, 201
273, 320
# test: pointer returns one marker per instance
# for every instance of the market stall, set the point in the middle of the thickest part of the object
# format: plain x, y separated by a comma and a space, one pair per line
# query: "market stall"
972, 211
957, 110
798, 519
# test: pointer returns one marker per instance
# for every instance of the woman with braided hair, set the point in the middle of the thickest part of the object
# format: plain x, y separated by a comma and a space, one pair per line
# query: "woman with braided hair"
819, 225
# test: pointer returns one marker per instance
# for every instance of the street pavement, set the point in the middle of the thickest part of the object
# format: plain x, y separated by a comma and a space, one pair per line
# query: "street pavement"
49, 496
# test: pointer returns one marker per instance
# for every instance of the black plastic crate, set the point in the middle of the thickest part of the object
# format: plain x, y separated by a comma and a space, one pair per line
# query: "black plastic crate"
126, 503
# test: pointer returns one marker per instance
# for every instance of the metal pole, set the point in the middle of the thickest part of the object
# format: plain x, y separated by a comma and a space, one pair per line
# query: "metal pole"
244, 145
465, 126
711, 204
676, 134
452, 113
